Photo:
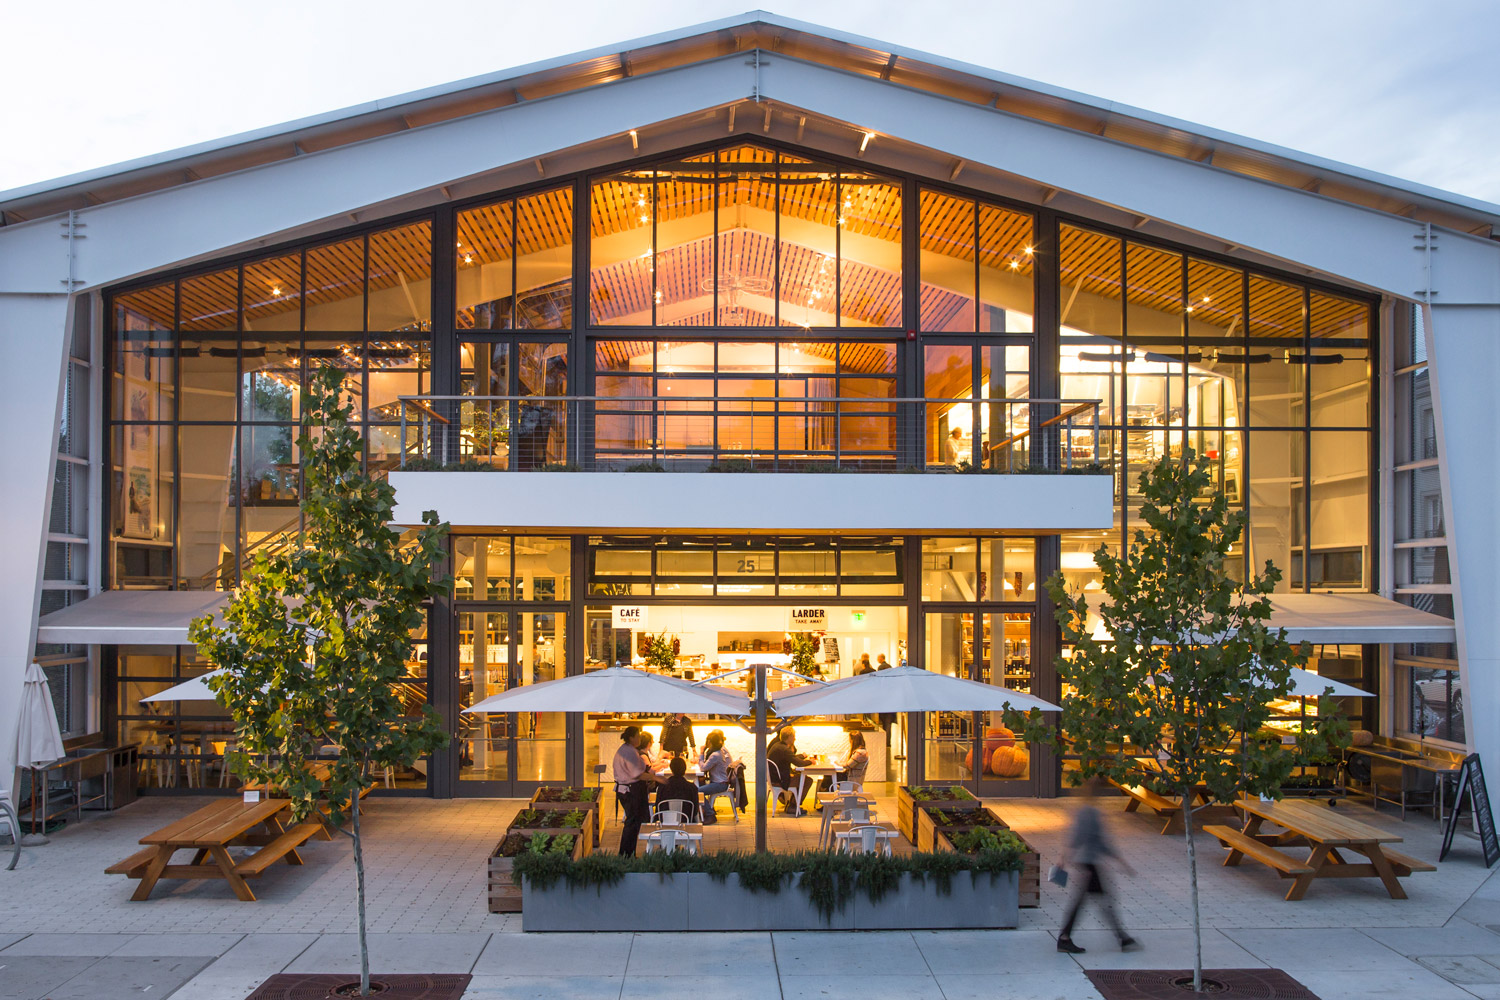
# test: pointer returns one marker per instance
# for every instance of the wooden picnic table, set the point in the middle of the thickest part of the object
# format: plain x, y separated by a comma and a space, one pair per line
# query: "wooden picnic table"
209, 833
1326, 832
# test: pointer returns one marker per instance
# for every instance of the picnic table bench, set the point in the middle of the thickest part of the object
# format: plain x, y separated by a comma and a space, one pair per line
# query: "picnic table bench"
1140, 795
209, 833
1326, 833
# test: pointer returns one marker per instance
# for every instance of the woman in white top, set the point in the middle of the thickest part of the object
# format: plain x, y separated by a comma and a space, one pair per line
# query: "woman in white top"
715, 763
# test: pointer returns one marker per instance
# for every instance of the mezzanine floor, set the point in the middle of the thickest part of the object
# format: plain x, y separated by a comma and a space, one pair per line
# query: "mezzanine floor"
67, 929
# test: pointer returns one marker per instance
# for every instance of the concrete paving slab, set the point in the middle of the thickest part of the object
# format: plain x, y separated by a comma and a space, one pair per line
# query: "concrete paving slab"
1057, 985
573, 955
1387, 983
26, 977
1457, 937
760, 986
722, 954
6, 940
1484, 991
1462, 969
855, 987
1328, 949
1004, 952
542, 988
393, 953
97, 945
124, 976
252, 960
1162, 949
180, 945
867, 954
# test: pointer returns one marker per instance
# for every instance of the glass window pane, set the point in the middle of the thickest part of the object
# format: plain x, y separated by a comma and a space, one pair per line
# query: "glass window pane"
1216, 361
622, 276
211, 302
397, 368
270, 380
269, 453
1340, 510
949, 568
150, 309
870, 251
484, 249
1006, 271
273, 295
1276, 491
1340, 362
947, 254
1091, 360
145, 373
348, 357
745, 281
540, 434
144, 497
809, 210
685, 242
543, 568
209, 374
336, 286
401, 279
481, 569
1276, 323
206, 557
1153, 323
544, 260
949, 374
1007, 569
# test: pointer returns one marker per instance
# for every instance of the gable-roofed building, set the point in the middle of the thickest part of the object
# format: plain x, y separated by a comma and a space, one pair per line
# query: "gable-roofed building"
617, 316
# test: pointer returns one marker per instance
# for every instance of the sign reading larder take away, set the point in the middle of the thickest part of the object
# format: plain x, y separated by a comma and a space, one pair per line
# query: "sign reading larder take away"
809, 619
628, 616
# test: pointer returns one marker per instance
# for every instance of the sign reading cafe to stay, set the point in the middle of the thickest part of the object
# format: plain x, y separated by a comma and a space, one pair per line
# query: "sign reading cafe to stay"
809, 619
629, 616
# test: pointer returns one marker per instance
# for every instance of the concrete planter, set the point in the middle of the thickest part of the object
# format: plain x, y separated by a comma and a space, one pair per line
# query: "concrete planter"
696, 902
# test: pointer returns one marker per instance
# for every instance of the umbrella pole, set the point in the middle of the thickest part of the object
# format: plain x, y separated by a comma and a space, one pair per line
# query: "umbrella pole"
761, 776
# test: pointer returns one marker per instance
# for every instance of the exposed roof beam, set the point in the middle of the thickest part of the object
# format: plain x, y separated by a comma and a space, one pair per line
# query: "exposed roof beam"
732, 109
540, 170
766, 127
801, 124
958, 168
890, 64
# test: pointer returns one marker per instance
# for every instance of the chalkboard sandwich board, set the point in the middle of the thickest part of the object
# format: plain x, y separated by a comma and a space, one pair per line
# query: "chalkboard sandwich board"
1471, 781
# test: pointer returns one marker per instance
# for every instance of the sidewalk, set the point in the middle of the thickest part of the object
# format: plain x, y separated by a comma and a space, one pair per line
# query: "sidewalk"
67, 930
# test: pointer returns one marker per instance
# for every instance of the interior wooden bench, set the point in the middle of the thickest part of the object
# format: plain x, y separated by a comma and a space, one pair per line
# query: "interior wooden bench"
1140, 795
1243, 845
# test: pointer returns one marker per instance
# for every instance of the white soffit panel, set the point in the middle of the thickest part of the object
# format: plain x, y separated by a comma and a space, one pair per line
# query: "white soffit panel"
1355, 618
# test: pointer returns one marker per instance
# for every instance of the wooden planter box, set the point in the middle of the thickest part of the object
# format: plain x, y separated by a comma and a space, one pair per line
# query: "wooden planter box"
590, 807
926, 838
906, 807
504, 893
1029, 889
699, 902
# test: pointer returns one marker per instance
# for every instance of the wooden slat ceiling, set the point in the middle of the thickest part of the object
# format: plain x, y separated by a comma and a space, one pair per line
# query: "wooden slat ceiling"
746, 176
622, 357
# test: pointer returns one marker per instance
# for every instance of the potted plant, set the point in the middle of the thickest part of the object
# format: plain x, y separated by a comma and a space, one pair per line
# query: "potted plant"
504, 890
908, 795
568, 799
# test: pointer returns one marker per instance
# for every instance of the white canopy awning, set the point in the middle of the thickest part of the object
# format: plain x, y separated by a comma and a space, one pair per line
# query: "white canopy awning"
131, 618
1332, 619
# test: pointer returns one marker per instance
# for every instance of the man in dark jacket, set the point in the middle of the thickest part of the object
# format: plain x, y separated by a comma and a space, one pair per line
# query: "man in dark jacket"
677, 734
783, 753
679, 787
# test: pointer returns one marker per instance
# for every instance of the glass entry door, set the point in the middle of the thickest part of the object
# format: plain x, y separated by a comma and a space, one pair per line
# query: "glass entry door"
509, 753
992, 648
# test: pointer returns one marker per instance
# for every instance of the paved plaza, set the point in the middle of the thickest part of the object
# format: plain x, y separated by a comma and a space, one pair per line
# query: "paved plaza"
67, 930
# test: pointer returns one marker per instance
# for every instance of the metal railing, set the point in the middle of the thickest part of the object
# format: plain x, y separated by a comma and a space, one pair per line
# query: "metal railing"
748, 433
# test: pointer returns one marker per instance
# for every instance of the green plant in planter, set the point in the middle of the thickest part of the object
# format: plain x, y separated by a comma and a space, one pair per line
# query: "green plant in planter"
574, 817
982, 839
804, 652
660, 651
527, 817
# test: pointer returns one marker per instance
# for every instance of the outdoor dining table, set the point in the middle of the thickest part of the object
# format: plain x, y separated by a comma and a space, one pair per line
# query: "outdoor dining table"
209, 833
1327, 832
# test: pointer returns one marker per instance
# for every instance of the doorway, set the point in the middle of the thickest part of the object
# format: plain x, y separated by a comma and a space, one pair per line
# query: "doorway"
508, 754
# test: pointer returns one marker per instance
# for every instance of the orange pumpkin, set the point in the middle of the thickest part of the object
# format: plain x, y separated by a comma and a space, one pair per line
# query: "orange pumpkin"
995, 737
1010, 761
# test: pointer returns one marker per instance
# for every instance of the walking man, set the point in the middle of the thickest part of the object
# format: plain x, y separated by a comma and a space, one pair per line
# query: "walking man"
1088, 846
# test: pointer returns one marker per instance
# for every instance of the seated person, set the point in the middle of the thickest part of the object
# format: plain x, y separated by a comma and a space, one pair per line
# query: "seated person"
783, 753
679, 787
854, 765
716, 764
654, 760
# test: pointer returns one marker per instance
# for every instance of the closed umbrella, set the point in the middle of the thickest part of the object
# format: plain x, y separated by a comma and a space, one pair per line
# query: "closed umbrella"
904, 689
616, 689
39, 737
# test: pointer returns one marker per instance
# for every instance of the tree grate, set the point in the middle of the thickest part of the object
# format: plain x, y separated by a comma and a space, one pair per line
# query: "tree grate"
1177, 984
387, 987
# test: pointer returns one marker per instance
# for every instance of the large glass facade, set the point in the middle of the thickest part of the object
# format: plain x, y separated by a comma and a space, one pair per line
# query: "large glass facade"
736, 307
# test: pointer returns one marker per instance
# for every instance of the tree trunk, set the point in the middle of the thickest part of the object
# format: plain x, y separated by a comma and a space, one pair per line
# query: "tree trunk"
1187, 824
359, 891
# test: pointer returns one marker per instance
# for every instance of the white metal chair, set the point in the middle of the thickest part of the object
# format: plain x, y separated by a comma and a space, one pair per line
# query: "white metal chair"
774, 787
852, 808
673, 812
711, 799
9, 817
869, 839
670, 840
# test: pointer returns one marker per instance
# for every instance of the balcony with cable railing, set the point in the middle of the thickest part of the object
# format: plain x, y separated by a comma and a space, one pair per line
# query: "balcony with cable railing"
913, 463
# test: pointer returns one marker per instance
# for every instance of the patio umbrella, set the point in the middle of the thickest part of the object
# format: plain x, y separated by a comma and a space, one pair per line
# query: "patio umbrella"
616, 689
38, 736
904, 689
1306, 684
196, 689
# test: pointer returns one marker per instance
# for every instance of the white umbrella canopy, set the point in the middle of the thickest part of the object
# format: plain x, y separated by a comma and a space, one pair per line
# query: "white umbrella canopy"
616, 689
38, 736
1304, 684
904, 689
196, 689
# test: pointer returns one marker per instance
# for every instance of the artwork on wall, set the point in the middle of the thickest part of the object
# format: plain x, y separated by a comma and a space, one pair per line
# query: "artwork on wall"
138, 487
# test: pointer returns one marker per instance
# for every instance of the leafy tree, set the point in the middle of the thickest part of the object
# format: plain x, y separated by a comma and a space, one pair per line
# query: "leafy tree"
314, 643
1185, 666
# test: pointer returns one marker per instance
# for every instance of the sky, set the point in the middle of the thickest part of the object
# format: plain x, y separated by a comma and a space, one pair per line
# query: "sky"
1407, 89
